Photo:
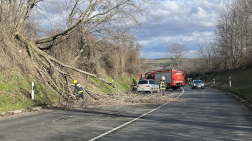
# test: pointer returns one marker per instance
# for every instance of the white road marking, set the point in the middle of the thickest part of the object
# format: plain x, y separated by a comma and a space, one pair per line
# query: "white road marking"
112, 130
182, 92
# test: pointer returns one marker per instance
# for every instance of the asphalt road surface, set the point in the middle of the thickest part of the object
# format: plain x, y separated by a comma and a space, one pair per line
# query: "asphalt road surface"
204, 114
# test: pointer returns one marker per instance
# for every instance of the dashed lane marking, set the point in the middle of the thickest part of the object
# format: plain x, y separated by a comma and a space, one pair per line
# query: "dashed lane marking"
127, 123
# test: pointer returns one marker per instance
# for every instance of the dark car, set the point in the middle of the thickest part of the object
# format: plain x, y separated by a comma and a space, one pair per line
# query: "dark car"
197, 84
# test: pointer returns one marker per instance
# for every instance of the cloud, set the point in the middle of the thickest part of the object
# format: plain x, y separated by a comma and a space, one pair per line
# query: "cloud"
183, 21
183, 39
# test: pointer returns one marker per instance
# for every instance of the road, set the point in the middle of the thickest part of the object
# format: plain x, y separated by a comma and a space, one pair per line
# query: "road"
204, 114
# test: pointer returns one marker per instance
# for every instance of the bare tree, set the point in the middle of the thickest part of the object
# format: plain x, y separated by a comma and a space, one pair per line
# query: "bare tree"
100, 18
205, 52
176, 51
234, 32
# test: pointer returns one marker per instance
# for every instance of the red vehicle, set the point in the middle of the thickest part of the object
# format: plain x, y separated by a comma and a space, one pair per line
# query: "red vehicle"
140, 76
174, 78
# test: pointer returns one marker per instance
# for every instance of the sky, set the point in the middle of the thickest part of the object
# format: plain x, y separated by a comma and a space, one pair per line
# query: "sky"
178, 21
187, 22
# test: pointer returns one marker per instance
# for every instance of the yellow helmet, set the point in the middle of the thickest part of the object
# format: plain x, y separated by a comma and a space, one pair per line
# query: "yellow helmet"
75, 81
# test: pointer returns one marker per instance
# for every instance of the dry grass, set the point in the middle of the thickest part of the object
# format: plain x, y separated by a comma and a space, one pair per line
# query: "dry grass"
13, 56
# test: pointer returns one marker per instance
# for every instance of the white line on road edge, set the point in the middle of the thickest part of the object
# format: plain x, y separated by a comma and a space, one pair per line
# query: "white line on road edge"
112, 130
182, 92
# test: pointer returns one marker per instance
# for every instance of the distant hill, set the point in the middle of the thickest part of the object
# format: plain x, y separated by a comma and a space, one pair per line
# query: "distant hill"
164, 63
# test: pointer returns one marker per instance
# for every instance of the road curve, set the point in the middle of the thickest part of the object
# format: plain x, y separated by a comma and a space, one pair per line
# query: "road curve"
206, 114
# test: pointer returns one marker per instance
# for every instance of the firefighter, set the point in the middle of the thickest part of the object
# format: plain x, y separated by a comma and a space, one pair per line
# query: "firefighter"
78, 90
190, 80
141, 77
162, 86
134, 85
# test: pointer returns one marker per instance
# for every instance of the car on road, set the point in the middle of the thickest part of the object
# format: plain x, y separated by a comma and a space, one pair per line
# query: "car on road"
197, 84
147, 85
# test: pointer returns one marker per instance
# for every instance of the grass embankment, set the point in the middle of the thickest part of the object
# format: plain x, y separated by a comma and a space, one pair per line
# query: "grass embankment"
241, 81
103, 88
15, 90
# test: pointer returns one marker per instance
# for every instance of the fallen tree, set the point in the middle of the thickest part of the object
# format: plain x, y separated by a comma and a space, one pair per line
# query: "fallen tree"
102, 18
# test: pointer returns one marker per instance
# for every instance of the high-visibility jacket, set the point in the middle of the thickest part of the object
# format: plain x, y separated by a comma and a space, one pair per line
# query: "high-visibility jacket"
78, 88
134, 84
162, 85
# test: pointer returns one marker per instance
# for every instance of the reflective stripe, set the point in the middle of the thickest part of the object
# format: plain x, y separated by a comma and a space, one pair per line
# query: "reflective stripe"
80, 91
162, 85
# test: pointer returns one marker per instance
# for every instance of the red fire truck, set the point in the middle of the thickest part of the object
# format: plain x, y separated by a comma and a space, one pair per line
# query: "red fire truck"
174, 78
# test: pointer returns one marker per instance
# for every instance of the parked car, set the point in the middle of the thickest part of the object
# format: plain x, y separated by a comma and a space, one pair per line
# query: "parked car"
147, 85
197, 84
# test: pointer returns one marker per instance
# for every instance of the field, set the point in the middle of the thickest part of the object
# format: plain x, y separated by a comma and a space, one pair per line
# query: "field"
155, 64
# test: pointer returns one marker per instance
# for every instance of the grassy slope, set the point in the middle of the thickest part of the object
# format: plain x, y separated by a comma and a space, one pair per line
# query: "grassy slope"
15, 90
100, 87
241, 80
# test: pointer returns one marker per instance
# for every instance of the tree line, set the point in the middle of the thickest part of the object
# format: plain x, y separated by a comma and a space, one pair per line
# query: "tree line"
233, 34
231, 46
